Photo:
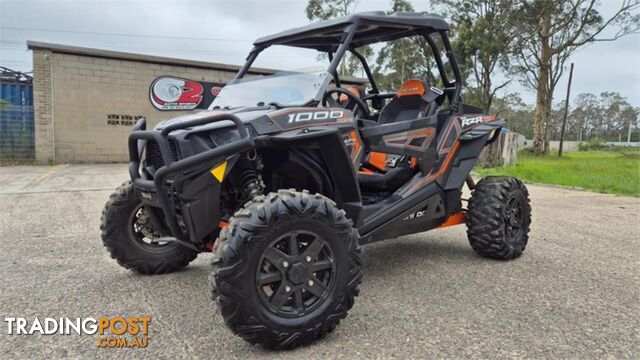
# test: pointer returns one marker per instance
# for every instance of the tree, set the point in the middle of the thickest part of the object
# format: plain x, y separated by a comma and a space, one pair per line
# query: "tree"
484, 37
586, 114
403, 59
629, 117
328, 9
519, 115
607, 117
550, 30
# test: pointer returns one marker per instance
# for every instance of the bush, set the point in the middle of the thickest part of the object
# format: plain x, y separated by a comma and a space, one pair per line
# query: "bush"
627, 151
593, 144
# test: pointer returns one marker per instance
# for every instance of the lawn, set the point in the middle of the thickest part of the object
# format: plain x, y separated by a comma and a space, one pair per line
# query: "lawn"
613, 171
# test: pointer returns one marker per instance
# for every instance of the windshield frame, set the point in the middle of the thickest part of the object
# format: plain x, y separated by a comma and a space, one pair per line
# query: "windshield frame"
335, 58
322, 82
344, 45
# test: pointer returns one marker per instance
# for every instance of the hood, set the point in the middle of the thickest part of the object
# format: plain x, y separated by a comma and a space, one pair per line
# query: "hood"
245, 114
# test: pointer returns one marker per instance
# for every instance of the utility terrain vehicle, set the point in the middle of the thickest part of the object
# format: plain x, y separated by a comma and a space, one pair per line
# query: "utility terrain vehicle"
286, 175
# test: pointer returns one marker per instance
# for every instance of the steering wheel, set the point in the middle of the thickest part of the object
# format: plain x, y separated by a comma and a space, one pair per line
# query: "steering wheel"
327, 99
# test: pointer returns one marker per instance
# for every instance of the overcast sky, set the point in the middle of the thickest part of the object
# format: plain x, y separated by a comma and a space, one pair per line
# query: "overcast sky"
187, 29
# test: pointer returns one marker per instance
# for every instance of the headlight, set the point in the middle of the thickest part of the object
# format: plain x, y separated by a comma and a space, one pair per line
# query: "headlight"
225, 136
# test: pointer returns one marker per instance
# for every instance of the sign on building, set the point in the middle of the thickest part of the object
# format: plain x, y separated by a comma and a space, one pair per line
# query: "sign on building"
173, 93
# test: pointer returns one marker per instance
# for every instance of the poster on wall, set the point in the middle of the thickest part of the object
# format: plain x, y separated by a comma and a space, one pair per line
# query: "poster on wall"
173, 93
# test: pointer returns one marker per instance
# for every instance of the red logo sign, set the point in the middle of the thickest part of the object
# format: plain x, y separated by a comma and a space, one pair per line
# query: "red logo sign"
171, 93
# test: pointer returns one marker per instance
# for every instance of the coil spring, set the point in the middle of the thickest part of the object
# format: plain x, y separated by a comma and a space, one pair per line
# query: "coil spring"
249, 164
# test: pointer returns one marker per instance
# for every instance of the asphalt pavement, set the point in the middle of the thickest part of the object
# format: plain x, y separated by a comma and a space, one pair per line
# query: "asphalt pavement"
575, 293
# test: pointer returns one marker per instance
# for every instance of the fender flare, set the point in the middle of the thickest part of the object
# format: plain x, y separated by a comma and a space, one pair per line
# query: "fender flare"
329, 143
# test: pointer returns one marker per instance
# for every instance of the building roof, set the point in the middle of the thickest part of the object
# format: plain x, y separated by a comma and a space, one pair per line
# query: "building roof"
375, 26
121, 55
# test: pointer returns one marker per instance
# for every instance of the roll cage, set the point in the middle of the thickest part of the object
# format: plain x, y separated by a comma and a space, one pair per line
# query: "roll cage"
336, 37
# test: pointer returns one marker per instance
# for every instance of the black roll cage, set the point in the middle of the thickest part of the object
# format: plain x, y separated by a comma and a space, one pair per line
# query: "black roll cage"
344, 45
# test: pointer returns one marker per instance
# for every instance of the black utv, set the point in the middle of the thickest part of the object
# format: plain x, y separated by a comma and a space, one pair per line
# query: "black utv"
286, 175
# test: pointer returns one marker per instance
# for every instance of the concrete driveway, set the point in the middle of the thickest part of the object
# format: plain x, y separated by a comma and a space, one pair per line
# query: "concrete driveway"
575, 293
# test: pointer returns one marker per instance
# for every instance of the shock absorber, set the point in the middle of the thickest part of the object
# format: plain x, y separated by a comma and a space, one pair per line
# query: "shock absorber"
250, 178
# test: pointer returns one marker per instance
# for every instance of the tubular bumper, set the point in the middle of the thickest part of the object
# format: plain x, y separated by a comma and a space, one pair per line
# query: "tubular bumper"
137, 140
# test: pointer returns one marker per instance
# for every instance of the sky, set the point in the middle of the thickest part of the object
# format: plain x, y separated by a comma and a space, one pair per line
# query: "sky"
223, 30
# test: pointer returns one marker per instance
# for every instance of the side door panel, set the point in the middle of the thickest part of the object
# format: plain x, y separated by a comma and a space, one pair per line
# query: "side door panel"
413, 138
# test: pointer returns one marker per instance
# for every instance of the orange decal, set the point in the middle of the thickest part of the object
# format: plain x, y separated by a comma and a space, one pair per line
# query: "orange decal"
356, 144
411, 87
378, 160
223, 224
454, 219
446, 163
422, 132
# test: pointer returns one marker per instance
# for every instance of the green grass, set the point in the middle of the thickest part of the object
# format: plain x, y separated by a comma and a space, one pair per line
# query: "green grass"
615, 171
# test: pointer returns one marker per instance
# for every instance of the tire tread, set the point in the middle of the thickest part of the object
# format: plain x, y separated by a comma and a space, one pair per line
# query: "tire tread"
247, 225
111, 225
485, 223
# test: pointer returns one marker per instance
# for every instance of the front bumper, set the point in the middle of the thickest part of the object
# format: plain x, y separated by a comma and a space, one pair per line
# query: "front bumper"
182, 188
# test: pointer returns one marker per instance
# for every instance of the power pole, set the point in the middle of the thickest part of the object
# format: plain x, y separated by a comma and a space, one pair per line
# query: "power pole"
566, 110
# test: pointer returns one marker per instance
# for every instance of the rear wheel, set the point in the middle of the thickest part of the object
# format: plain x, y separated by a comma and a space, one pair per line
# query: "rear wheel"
499, 217
131, 240
290, 269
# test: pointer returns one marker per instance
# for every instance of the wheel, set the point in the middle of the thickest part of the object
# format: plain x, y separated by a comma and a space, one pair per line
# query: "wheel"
128, 236
289, 271
499, 217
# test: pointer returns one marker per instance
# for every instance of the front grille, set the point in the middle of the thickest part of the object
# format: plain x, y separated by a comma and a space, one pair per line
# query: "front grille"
154, 156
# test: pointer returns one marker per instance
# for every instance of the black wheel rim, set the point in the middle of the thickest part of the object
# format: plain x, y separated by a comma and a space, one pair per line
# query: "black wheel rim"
514, 219
296, 274
140, 229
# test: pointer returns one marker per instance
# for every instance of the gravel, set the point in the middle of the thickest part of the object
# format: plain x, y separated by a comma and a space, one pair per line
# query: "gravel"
573, 294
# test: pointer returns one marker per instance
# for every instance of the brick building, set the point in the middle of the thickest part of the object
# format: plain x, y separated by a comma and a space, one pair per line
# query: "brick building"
86, 100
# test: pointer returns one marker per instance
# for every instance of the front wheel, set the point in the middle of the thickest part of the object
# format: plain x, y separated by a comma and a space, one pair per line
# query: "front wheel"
499, 217
290, 269
131, 240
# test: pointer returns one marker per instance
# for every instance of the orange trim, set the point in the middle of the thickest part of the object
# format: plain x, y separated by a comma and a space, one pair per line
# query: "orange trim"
356, 144
422, 132
378, 160
411, 87
445, 166
352, 89
223, 224
442, 169
454, 219
365, 171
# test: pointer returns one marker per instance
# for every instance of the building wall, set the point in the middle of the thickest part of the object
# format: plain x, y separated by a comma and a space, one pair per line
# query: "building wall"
77, 95
43, 105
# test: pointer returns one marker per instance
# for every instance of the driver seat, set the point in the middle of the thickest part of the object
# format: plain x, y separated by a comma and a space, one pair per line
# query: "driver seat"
387, 172
412, 101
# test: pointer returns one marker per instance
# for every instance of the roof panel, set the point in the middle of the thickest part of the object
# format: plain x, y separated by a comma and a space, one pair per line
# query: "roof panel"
325, 35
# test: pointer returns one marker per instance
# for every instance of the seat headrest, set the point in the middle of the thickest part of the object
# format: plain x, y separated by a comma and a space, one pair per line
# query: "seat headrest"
412, 87
358, 91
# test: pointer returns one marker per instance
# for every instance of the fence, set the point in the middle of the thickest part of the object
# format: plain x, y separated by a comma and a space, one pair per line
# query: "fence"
16, 133
17, 93
571, 145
